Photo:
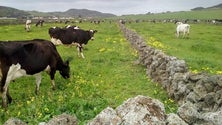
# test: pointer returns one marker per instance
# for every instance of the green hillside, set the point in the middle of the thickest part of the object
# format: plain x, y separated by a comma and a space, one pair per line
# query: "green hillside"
203, 14
12, 12
15, 13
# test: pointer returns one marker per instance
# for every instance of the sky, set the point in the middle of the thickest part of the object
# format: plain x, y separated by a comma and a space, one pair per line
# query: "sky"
117, 7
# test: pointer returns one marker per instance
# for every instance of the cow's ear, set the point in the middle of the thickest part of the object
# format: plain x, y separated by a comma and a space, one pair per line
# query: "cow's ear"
28, 47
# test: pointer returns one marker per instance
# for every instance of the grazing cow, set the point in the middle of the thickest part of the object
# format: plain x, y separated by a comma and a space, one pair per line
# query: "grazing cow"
28, 25
71, 35
184, 28
40, 22
31, 57
122, 21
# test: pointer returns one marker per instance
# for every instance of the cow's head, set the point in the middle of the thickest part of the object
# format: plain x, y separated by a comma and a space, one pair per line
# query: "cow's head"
91, 33
65, 70
56, 32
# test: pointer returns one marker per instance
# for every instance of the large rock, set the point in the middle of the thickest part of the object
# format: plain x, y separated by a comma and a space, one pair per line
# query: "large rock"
189, 113
173, 119
107, 117
14, 121
63, 119
214, 118
140, 110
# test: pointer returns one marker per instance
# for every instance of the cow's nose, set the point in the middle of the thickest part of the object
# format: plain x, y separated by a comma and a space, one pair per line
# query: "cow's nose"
92, 38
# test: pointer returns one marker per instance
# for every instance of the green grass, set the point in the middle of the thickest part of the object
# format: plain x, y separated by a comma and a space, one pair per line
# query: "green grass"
202, 50
107, 77
200, 14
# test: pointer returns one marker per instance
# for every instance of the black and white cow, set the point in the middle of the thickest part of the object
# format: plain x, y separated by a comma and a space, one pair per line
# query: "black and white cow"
71, 35
28, 25
39, 22
31, 57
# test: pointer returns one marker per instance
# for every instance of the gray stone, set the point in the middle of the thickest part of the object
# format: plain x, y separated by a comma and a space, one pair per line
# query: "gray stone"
192, 97
142, 110
214, 118
63, 119
107, 117
173, 119
189, 113
14, 121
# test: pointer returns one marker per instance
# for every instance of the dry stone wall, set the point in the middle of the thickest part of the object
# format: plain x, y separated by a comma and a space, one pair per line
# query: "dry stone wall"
199, 95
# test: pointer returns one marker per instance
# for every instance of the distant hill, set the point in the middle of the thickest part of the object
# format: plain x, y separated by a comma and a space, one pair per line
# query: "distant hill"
219, 6
214, 12
73, 13
86, 13
12, 12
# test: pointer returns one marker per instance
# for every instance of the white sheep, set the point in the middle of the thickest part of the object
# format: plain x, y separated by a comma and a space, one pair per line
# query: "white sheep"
182, 28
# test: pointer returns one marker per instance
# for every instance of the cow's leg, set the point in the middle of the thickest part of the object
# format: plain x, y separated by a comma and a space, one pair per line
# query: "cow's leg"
177, 34
81, 51
188, 33
4, 91
53, 84
7, 75
8, 96
52, 75
38, 78
78, 49
5, 94
184, 33
4, 97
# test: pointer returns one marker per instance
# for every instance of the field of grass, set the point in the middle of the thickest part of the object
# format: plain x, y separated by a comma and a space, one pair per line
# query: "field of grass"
202, 50
107, 77
199, 14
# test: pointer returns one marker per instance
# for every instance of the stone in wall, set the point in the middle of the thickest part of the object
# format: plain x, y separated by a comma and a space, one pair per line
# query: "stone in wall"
63, 119
107, 117
14, 121
140, 110
173, 119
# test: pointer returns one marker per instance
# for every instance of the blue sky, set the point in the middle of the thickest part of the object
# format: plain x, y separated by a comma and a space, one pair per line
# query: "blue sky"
117, 7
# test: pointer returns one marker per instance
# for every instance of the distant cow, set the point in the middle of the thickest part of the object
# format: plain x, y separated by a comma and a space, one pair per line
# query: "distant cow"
28, 25
40, 22
71, 35
182, 28
31, 57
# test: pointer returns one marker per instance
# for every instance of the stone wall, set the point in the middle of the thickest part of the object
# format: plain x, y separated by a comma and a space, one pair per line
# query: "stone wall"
199, 95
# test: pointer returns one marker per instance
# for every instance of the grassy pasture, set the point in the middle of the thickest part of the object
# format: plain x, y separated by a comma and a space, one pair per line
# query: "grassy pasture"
205, 14
107, 77
201, 50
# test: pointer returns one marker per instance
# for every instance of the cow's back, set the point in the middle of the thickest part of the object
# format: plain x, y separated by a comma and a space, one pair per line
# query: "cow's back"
82, 36
33, 56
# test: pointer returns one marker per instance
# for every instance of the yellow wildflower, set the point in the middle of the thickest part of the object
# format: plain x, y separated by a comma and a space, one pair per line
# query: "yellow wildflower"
102, 50
28, 102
